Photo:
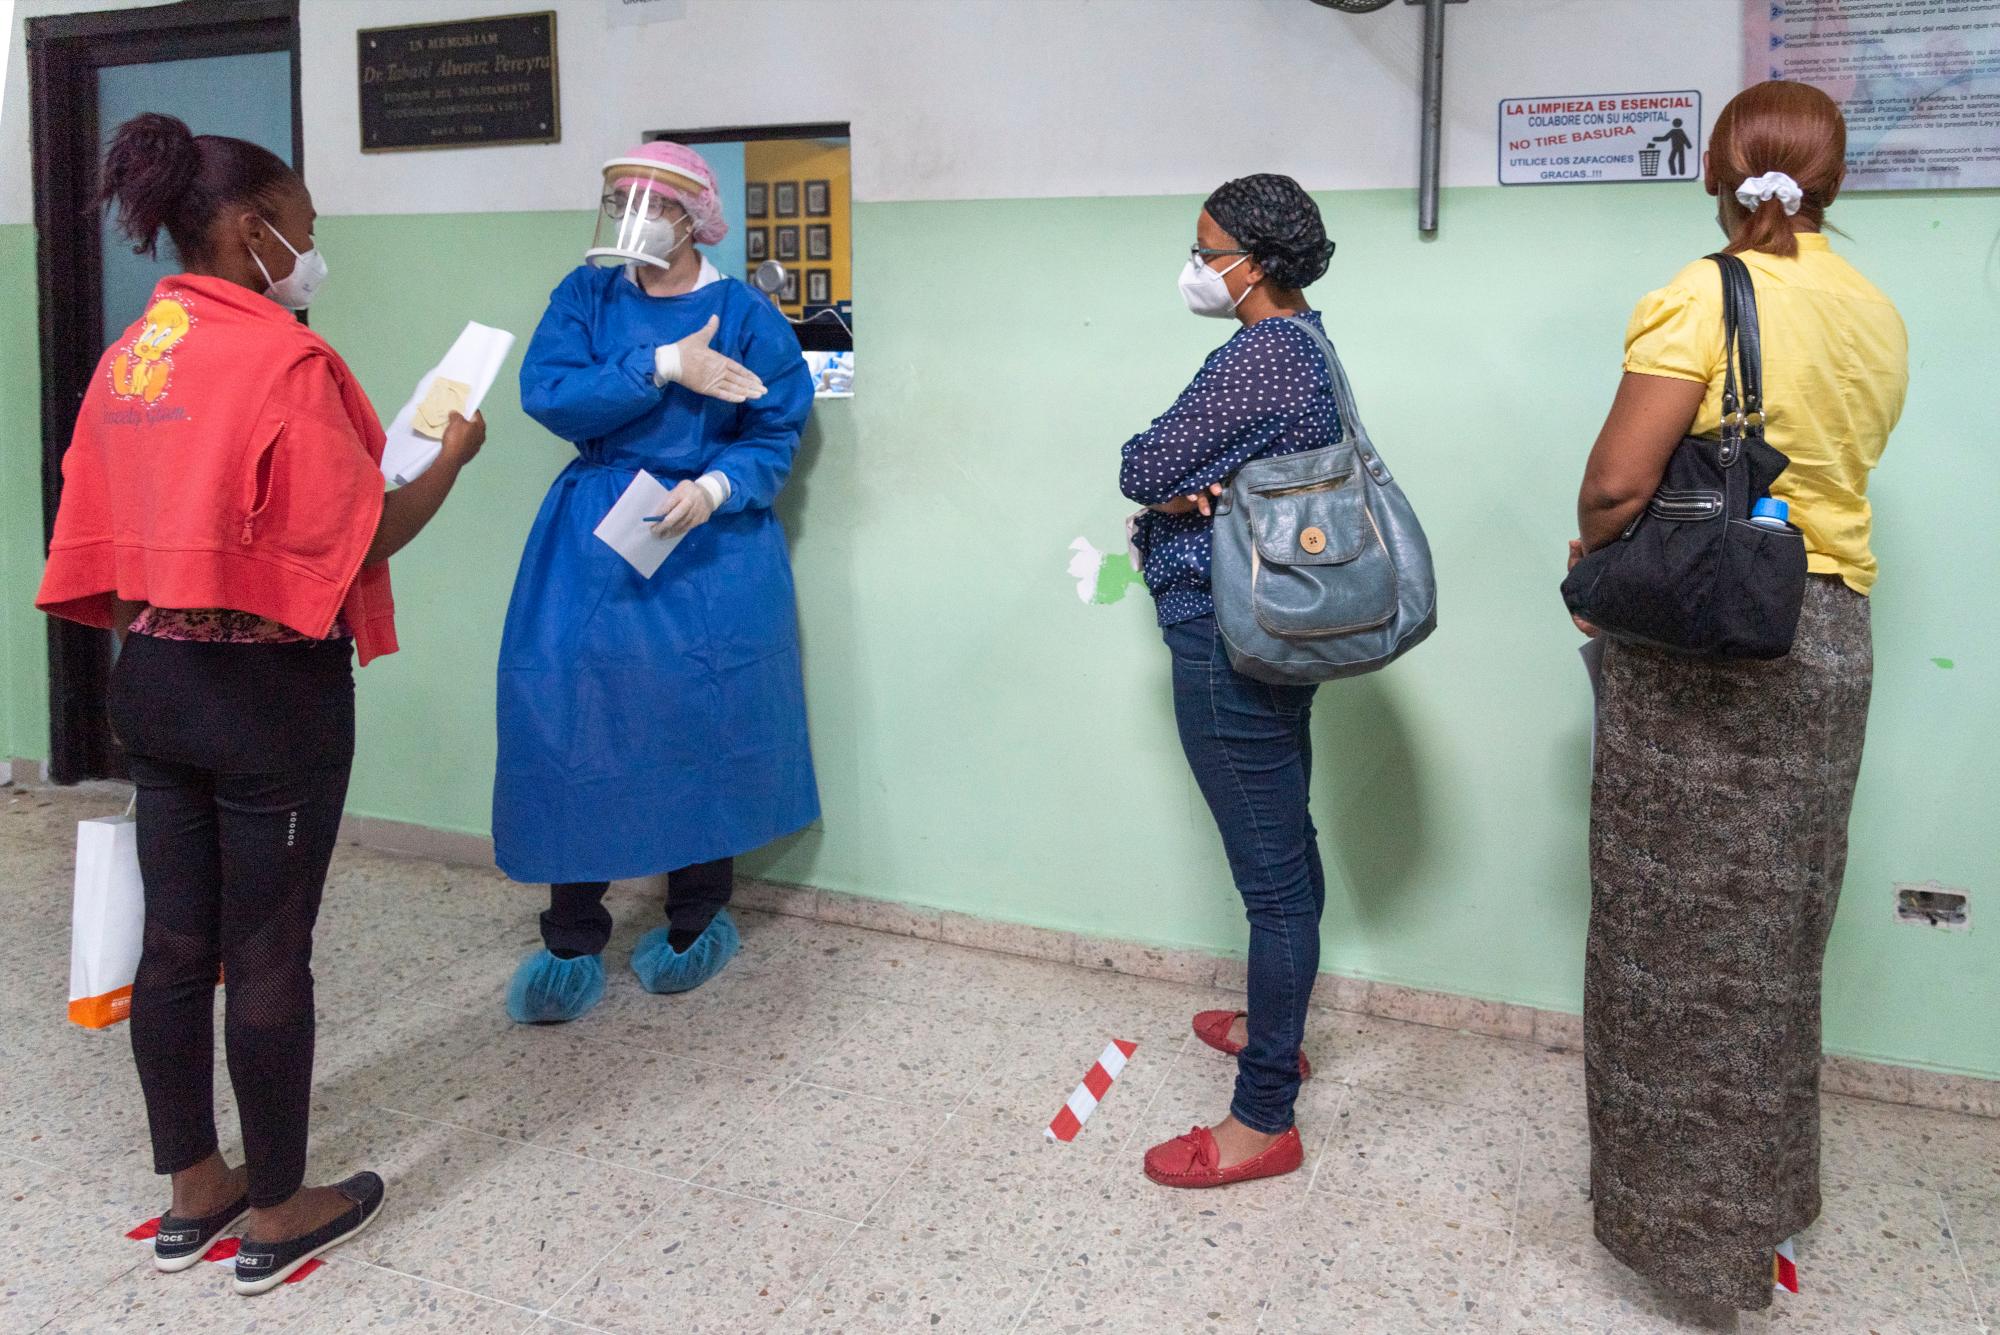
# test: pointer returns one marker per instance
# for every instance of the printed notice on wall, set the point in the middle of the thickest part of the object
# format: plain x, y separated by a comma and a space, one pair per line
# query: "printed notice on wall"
1919, 81
1592, 138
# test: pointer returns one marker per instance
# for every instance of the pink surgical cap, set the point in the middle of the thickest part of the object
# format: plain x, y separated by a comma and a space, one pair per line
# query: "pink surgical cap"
704, 209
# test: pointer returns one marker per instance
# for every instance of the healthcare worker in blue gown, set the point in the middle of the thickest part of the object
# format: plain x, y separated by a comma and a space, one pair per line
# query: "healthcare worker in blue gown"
654, 724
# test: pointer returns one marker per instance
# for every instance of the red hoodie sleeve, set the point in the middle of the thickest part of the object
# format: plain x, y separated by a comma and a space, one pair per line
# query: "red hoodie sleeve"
315, 495
81, 573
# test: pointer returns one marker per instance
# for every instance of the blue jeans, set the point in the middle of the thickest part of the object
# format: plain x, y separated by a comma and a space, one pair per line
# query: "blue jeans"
1250, 747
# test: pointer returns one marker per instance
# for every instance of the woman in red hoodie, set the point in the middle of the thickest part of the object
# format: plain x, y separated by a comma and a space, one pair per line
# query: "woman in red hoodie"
223, 510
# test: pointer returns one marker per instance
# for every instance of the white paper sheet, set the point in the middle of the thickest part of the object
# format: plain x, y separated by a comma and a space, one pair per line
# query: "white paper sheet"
475, 359
624, 528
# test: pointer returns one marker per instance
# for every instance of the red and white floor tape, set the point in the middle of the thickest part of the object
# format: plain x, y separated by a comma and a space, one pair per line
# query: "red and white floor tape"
1784, 1269
223, 1252
1070, 1119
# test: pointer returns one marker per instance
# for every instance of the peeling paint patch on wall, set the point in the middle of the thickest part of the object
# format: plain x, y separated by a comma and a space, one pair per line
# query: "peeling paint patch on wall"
1101, 578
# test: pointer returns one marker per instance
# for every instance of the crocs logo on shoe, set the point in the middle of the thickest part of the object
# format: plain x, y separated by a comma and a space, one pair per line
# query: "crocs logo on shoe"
252, 1262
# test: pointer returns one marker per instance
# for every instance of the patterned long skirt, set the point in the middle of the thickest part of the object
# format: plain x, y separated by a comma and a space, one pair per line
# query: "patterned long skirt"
1718, 838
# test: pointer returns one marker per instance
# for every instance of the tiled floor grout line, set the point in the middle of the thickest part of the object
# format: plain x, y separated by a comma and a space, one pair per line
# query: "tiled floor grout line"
79, 1299
653, 1173
364, 1261
1304, 1206
1326, 1145
805, 1290
1034, 1296
638, 1042
791, 1084
1139, 1122
598, 1264
775, 1205
729, 1142
1964, 1270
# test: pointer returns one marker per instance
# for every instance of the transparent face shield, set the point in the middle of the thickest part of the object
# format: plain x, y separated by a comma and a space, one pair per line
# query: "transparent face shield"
638, 220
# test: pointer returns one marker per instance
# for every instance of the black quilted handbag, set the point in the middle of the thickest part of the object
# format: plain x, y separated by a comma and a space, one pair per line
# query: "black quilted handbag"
1692, 574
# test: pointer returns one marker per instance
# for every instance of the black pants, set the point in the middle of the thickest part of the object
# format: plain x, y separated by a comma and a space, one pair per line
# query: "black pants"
241, 754
577, 923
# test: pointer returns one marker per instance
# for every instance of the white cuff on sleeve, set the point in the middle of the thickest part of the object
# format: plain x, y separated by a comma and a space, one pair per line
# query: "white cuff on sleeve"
667, 363
716, 485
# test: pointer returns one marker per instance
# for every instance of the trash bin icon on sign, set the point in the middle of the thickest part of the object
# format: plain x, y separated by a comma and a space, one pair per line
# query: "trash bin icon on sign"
1649, 162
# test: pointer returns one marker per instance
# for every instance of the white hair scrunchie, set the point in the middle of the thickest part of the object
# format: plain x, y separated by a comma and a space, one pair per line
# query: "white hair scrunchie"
1771, 185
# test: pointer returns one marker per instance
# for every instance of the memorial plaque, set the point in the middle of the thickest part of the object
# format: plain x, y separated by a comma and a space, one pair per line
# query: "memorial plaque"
478, 82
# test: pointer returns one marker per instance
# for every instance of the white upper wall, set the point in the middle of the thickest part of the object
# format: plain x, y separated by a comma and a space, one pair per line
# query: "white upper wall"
983, 99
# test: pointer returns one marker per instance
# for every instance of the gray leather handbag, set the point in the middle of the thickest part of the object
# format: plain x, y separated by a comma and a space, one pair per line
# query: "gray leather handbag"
1320, 568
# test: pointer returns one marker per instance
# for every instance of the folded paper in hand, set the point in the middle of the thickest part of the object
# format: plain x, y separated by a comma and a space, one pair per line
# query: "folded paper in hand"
625, 530
445, 398
466, 373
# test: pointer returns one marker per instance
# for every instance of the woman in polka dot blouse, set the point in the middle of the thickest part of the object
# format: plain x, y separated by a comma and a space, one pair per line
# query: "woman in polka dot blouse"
1267, 391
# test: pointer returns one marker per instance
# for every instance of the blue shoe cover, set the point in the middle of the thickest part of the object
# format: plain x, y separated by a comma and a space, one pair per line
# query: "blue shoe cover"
663, 969
547, 990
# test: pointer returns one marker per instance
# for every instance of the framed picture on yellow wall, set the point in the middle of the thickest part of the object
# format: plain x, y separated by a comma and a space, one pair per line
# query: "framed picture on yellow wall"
788, 243
819, 287
757, 243
819, 240
788, 295
785, 199
819, 199
756, 200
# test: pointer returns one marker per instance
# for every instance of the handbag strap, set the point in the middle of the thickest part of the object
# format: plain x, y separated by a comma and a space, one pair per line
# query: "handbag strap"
1742, 358
1343, 397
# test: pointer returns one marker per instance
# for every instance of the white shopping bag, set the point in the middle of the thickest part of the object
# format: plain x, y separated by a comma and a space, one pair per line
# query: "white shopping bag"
107, 922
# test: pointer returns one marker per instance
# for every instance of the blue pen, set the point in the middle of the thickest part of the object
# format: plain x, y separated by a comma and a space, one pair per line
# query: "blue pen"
652, 519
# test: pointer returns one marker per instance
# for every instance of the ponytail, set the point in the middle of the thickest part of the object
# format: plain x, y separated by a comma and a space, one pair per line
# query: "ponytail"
160, 174
1767, 228
150, 168
1777, 126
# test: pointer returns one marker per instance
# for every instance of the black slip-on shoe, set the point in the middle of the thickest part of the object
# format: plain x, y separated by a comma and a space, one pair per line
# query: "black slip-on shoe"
263, 1266
182, 1242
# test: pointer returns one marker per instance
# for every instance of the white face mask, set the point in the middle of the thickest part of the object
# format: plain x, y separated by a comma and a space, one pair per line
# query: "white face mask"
1204, 291
295, 290
662, 239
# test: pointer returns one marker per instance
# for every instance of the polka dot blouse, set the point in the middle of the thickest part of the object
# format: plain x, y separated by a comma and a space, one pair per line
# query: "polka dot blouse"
1265, 392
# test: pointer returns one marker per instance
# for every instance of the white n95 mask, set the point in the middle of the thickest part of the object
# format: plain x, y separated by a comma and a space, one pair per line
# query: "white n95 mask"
295, 290
1204, 291
640, 221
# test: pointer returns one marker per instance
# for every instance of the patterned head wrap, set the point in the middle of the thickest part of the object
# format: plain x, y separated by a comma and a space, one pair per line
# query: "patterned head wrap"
1274, 219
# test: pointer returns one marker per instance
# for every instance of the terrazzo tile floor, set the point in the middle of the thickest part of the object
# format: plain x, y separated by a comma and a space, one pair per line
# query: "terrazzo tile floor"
844, 1132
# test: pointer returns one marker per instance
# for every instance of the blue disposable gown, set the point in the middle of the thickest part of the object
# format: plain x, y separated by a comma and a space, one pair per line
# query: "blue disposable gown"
651, 724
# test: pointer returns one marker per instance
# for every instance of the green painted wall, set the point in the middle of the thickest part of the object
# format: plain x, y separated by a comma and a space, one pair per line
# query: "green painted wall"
989, 742
24, 670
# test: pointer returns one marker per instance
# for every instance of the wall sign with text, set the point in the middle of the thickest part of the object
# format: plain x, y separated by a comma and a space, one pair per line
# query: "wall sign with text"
1594, 138
1918, 80
459, 85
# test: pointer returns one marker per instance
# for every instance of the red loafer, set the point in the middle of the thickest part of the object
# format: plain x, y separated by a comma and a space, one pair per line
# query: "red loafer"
1194, 1161
1212, 1028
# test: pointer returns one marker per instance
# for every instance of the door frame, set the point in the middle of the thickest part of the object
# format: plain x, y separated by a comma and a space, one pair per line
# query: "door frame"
64, 54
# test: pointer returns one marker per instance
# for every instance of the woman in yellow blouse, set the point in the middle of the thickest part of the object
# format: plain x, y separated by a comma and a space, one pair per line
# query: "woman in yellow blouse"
1720, 800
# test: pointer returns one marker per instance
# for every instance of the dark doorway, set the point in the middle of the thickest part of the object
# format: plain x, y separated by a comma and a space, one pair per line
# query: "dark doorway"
223, 66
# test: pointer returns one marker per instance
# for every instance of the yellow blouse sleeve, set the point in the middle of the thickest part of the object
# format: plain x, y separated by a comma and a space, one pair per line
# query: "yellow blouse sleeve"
1676, 332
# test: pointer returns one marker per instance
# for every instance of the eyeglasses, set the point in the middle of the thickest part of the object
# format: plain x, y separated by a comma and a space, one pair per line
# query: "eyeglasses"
1198, 252
652, 203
